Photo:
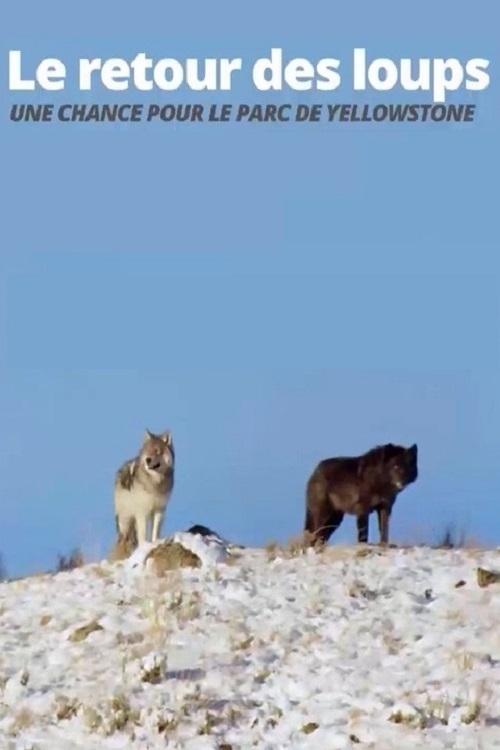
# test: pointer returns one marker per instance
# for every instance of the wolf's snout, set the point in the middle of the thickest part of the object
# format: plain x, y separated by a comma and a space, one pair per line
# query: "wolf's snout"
152, 463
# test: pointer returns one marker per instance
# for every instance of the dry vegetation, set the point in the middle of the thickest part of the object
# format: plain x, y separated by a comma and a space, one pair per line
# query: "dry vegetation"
74, 560
295, 547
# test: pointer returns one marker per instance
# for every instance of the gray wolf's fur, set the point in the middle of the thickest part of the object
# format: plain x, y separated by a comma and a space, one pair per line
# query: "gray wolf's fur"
143, 487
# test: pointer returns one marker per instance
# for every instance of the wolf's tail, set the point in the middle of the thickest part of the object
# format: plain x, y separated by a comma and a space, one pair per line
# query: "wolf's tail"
317, 526
310, 530
308, 524
126, 543
311, 493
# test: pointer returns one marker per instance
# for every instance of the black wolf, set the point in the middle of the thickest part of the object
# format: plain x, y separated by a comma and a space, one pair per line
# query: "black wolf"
358, 485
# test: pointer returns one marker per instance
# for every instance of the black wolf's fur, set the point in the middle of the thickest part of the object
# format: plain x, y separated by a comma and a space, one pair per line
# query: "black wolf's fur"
358, 485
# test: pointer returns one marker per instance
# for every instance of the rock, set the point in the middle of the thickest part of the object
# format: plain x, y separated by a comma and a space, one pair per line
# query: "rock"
310, 727
170, 556
80, 634
486, 577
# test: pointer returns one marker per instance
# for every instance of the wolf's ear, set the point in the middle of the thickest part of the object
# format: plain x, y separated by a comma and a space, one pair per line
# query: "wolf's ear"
413, 450
166, 437
148, 436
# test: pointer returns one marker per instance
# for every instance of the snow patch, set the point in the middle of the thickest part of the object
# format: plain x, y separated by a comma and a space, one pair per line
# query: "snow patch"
379, 650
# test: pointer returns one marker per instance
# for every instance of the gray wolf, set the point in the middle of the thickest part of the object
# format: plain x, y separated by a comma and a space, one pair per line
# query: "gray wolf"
143, 487
358, 485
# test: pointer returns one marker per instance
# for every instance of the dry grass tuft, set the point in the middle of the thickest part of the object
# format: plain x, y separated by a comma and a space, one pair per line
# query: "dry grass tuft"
472, 713
295, 547
66, 707
479, 704
154, 671
369, 551
70, 562
211, 722
244, 644
121, 714
410, 719
100, 572
463, 660
91, 718
166, 723
273, 550
450, 538
24, 719
262, 676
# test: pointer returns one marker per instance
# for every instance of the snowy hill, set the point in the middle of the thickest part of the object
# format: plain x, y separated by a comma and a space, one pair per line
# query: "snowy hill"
394, 649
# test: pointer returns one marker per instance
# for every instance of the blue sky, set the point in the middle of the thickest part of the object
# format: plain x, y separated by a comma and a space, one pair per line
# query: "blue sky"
273, 294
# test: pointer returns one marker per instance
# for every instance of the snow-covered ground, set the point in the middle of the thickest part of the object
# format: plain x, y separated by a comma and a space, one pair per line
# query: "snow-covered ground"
350, 648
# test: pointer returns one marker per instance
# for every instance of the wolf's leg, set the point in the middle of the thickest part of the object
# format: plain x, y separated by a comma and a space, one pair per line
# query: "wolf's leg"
157, 519
336, 518
363, 524
383, 514
141, 528
123, 524
325, 524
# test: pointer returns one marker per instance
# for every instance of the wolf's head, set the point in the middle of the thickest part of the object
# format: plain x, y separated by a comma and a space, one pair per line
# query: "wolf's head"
400, 465
157, 454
